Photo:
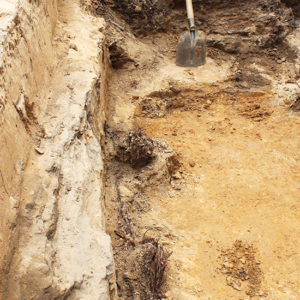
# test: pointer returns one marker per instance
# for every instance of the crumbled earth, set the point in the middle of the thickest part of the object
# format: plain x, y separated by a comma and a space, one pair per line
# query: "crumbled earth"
239, 264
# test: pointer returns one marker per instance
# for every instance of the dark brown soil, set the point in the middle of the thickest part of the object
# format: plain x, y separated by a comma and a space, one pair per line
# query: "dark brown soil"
135, 149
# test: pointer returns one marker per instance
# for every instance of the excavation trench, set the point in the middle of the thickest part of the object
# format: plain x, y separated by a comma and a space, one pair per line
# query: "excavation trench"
190, 175
202, 164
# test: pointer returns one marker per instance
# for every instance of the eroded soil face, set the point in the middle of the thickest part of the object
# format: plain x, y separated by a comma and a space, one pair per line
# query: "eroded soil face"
220, 188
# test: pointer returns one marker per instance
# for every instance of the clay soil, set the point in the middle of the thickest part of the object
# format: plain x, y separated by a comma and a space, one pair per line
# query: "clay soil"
220, 188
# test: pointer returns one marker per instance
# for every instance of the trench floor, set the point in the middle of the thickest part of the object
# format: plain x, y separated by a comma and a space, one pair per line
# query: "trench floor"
231, 214
239, 182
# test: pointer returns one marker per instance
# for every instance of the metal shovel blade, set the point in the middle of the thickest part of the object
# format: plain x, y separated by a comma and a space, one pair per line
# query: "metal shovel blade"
191, 50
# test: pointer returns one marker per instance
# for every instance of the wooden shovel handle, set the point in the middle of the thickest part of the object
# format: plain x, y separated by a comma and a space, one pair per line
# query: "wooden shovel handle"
189, 8
190, 14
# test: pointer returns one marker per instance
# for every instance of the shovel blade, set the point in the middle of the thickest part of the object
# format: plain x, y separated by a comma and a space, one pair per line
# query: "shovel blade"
191, 52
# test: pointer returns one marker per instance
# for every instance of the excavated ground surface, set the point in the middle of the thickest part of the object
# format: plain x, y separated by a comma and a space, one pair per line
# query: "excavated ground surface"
217, 181
201, 166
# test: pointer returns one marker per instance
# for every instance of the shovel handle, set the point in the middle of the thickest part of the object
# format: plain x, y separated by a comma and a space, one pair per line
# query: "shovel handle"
190, 14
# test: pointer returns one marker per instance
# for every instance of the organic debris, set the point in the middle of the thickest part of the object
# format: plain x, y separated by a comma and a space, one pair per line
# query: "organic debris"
147, 261
173, 164
295, 106
136, 149
143, 16
156, 258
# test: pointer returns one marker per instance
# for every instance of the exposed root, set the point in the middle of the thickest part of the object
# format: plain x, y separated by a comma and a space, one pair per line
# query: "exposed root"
159, 258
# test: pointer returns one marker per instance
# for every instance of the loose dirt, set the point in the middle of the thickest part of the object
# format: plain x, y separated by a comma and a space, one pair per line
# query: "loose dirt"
222, 190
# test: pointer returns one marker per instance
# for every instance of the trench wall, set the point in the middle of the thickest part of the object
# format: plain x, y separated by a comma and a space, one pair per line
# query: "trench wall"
52, 231
26, 62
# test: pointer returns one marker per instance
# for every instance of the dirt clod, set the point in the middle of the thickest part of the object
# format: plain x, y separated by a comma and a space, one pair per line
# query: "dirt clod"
136, 149
296, 105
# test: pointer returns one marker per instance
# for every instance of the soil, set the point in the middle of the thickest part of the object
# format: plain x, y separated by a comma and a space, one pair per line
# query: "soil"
217, 188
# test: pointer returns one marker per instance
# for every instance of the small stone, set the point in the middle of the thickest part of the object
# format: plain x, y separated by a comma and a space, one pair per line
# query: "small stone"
233, 283
138, 8
236, 286
39, 150
281, 60
228, 265
177, 188
125, 192
177, 175
192, 164
171, 194
74, 47
260, 293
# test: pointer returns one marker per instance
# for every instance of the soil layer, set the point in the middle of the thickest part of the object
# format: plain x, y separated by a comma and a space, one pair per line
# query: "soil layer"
220, 187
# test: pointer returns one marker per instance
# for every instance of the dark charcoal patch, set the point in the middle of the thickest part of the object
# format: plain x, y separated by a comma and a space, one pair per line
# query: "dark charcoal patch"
142, 15
118, 56
232, 30
295, 5
250, 78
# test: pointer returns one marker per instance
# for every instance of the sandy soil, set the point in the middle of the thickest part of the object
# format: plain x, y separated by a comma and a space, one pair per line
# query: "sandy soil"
210, 189
230, 213
239, 181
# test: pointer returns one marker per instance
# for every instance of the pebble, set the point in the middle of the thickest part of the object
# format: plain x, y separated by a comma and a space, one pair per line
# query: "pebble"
192, 164
177, 175
74, 47
39, 150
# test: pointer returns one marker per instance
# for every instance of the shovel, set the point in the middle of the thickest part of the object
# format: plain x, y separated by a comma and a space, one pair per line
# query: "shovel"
191, 49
